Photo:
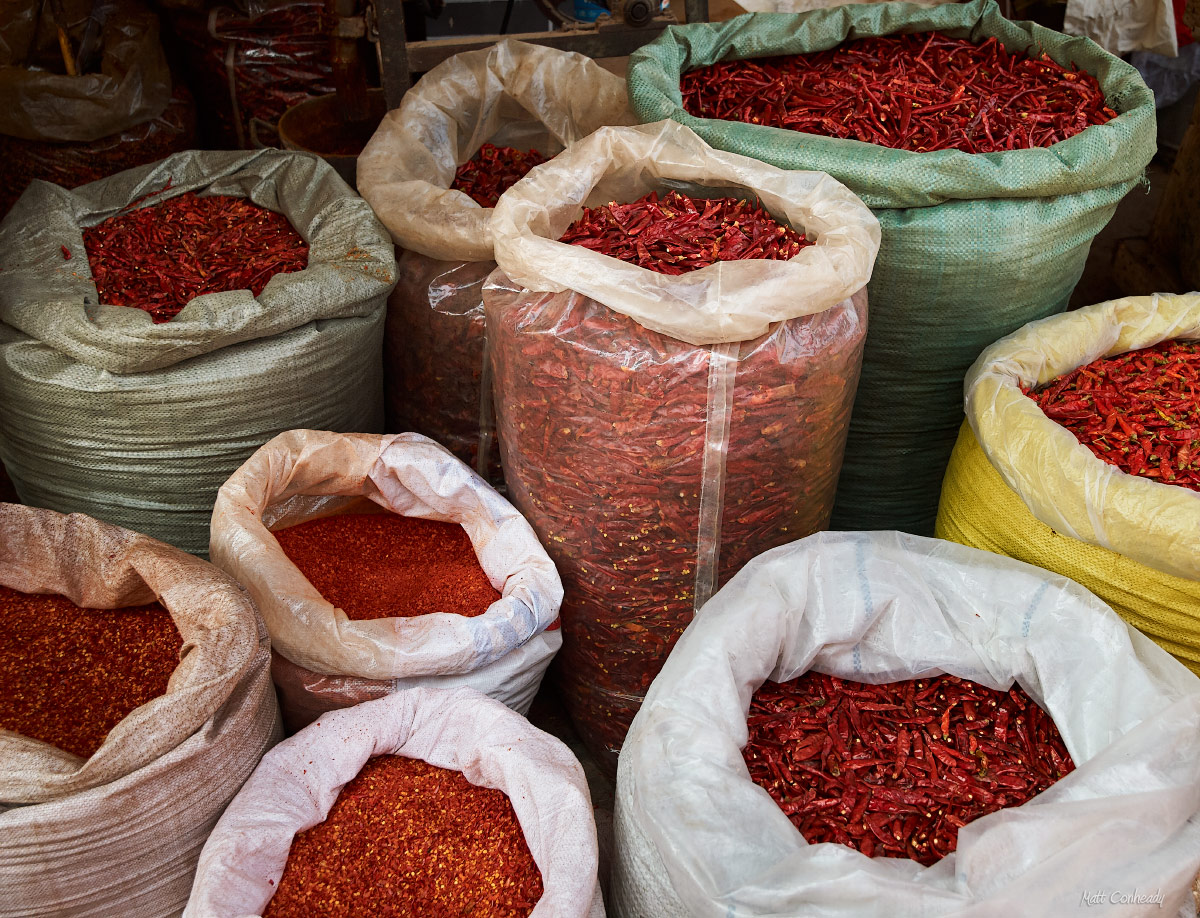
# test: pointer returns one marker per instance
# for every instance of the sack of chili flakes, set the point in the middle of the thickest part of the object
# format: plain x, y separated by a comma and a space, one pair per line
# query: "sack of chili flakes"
1022, 485
118, 832
697, 838
295, 788
514, 96
328, 656
658, 431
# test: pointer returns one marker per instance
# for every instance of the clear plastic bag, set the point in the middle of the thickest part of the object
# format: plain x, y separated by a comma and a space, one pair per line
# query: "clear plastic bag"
653, 468
696, 838
299, 780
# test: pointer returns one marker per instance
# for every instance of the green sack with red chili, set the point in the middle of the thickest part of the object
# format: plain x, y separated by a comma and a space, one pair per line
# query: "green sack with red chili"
668, 407
158, 326
975, 244
433, 172
135, 699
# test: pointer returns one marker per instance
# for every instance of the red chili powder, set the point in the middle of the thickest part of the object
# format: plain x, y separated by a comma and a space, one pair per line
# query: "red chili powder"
69, 675
406, 838
383, 565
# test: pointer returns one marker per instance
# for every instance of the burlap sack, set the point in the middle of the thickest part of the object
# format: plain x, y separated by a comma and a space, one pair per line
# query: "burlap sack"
118, 834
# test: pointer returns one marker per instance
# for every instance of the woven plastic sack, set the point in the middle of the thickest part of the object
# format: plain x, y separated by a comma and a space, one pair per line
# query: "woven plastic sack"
119, 834
129, 84
183, 403
1122, 26
957, 228
330, 661
696, 837
511, 94
299, 780
659, 431
804, 6
1022, 485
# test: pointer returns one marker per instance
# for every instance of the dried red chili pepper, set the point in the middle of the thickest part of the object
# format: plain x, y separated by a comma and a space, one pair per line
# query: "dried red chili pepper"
408, 838
680, 234
158, 258
895, 770
922, 92
383, 565
69, 675
1139, 411
603, 429
492, 171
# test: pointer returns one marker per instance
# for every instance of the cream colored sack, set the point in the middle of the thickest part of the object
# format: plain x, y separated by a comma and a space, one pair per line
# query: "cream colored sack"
118, 834
511, 94
726, 301
306, 474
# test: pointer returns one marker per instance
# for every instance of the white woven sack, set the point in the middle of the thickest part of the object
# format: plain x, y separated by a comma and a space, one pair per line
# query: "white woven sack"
306, 474
299, 780
696, 837
119, 834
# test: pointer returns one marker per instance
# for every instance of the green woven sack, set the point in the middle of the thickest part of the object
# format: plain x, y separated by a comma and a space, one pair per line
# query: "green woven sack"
974, 245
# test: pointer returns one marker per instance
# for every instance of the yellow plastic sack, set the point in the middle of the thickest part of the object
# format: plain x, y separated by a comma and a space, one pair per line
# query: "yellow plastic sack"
1021, 485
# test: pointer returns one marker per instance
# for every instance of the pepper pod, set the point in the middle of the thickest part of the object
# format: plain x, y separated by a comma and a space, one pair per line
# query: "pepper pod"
428, 802
381, 563
874, 724
1119, 515
117, 755
671, 405
434, 170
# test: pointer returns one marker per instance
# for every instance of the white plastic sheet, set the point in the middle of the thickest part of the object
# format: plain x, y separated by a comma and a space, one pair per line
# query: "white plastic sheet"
299, 780
1121, 26
726, 301
696, 837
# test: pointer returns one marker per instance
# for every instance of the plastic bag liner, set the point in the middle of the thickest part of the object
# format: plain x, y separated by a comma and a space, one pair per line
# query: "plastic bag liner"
696, 837
306, 474
1143, 529
511, 94
183, 403
299, 780
119, 833
651, 462
131, 83
974, 246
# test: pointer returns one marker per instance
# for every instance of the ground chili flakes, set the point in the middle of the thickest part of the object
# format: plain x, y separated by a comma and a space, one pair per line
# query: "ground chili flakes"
69, 675
921, 92
895, 770
680, 234
1139, 411
492, 171
603, 428
407, 838
384, 565
158, 258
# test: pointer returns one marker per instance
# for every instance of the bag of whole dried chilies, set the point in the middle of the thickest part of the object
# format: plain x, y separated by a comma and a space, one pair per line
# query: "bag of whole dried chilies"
115, 111
135, 699
1079, 455
675, 335
338, 819
885, 724
434, 170
381, 563
156, 327
992, 153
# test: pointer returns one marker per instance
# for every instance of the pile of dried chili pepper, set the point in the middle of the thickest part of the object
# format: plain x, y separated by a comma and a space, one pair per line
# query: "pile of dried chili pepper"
69, 675
492, 171
680, 234
603, 429
383, 565
895, 770
407, 838
159, 257
1139, 411
919, 92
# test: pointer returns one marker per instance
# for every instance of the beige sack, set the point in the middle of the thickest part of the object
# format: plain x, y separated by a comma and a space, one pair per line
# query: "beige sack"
119, 833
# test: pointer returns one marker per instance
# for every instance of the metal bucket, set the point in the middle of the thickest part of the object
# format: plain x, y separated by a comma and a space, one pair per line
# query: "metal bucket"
316, 126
